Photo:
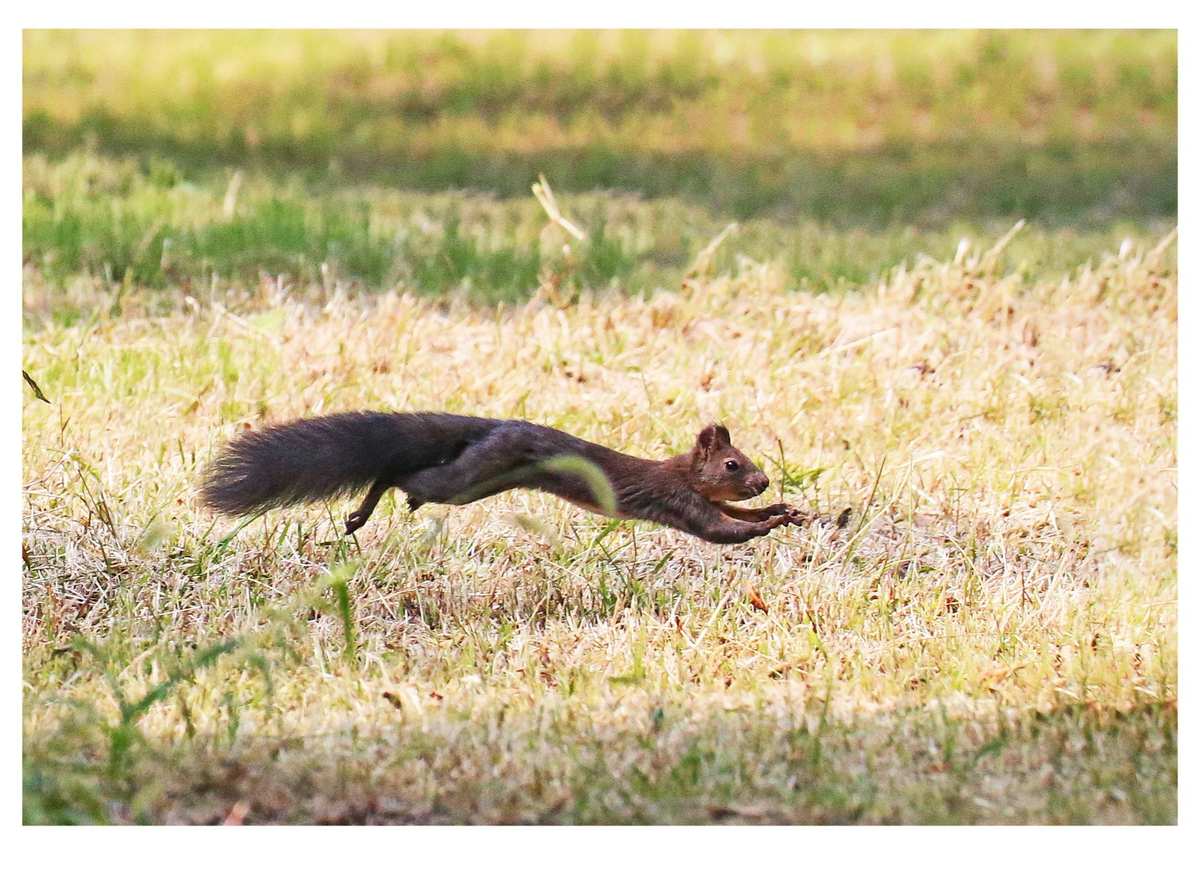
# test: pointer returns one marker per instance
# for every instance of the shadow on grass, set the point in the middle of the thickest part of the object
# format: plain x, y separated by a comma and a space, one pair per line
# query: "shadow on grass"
663, 764
1063, 182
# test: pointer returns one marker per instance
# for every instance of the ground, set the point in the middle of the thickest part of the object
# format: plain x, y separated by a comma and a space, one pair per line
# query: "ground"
979, 624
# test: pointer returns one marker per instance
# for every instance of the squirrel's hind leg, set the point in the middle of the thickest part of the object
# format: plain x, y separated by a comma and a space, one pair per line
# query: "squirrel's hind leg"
483, 469
359, 517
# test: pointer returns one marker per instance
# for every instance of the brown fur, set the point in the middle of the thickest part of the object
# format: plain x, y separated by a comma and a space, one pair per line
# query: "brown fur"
440, 458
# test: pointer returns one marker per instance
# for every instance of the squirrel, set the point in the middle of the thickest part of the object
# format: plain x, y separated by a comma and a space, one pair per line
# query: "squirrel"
442, 458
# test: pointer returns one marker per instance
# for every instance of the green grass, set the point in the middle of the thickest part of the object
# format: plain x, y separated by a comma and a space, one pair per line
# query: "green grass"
148, 224
835, 126
405, 159
980, 624
990, 638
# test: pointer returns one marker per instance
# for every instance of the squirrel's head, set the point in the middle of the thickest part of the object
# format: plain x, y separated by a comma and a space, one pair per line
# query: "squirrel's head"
722, 473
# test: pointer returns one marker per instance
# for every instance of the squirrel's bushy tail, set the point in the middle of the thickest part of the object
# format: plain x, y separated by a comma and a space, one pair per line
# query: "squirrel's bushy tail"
311, 459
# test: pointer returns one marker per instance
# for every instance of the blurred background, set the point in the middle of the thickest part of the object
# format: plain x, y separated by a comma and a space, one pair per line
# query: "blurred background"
159, 160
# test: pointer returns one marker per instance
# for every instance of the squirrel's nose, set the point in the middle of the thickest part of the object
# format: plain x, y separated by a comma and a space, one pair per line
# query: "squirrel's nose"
761, 482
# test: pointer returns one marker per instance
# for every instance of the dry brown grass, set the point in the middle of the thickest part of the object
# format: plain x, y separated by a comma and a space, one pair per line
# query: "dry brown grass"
990, 636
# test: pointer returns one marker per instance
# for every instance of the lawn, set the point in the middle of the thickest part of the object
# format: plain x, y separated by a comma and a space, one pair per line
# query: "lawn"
309, 224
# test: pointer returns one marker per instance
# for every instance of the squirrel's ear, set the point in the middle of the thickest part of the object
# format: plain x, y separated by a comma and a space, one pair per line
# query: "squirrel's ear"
713, 437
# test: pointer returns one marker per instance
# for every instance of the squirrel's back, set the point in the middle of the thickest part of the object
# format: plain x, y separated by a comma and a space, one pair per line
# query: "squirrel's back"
311, 459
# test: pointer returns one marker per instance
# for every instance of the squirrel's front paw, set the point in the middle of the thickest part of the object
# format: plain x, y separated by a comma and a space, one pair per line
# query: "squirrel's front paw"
773, 522
776, 510
795, 516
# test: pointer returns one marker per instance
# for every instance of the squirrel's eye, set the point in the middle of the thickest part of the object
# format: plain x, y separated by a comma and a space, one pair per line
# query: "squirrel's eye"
731, 465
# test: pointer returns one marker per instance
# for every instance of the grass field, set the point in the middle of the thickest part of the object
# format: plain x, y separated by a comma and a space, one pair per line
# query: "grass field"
223, 229
849, 125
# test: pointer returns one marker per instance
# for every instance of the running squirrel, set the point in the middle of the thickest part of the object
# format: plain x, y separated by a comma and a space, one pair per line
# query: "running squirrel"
440, 458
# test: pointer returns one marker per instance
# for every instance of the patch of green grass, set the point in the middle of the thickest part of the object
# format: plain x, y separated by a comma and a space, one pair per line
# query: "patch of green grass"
731, 766
152, 224
453, 260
